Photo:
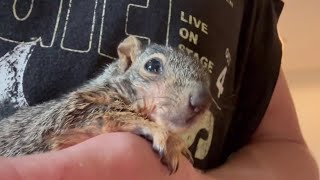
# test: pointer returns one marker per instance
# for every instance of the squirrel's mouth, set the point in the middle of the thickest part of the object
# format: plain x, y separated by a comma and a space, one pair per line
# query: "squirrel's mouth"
188, 121
191, 120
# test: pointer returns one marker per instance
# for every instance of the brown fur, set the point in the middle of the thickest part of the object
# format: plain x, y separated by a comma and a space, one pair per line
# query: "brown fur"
125, 97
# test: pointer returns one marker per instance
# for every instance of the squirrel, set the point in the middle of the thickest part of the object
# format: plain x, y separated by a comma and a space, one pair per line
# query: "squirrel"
152, 90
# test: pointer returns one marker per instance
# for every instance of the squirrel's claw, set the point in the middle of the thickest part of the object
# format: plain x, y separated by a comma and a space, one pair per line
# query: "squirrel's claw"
172, 162
188, 155
170, 149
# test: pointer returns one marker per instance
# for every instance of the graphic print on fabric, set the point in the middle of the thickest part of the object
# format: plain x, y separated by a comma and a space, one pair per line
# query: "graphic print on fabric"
49, 47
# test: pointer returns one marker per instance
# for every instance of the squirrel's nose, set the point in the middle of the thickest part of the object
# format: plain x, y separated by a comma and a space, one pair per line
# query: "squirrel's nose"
199, 99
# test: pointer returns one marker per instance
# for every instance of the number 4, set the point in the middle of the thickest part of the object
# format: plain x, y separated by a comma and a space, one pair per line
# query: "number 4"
220, 81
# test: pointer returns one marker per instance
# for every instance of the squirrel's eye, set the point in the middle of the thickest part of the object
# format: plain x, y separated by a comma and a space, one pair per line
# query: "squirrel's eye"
153, 66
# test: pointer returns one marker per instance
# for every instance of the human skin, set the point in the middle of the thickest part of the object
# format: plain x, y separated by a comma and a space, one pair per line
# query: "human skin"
277, 151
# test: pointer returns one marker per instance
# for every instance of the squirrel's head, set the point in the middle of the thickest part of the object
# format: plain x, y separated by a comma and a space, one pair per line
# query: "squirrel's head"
168, 86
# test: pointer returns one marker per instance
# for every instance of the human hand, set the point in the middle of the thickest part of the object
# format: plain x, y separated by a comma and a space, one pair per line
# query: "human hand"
108, 156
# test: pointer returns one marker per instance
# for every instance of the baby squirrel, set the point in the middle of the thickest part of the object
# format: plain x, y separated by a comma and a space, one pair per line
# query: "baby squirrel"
151, 90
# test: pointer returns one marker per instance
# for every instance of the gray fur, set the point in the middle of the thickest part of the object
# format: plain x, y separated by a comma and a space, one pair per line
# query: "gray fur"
25, 131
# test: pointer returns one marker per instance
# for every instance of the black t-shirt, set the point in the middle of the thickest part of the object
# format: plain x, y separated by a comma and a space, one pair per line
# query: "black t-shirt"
47, 48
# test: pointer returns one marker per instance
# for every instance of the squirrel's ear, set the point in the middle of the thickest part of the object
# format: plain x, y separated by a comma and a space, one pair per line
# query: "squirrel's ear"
128, 50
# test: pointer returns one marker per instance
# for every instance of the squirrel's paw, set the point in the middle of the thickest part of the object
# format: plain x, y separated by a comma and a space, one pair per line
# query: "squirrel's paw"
170, 149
